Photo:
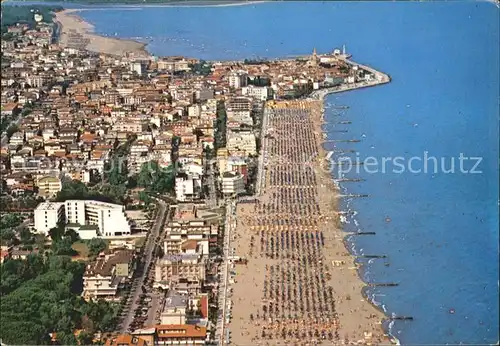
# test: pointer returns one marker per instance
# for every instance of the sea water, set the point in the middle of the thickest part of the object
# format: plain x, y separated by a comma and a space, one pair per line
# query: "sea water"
438, 230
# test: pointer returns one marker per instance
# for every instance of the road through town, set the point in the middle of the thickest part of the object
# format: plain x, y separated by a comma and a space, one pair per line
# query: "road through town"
142, 269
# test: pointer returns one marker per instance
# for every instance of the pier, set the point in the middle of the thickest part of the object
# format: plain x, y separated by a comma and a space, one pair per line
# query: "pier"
401, 318
344, 151
342, 162
387, 284
372, 256
338, 131
342, 140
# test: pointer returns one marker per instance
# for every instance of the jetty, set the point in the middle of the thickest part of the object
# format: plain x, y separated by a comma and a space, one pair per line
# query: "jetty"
342, 141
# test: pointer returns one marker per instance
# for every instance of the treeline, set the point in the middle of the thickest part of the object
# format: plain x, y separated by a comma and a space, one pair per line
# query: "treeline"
25, 14
41, 295
202, 68
75, 189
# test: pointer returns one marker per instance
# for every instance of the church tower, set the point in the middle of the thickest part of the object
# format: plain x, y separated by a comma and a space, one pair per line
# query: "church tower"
314, 58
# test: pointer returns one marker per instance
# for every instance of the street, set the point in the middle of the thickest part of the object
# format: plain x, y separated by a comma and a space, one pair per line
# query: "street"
143, 270
263, 154
211, 201
224, 303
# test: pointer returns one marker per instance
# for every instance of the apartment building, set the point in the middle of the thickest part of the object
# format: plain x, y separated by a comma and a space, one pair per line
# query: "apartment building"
241, 141
48, 186
233, 183
174, 310
125, 340
172, 334
128, 127
240, 117
238, 79
47, 215
184, 188
108, 217
107, 274
260, 93
239, 104
186, 267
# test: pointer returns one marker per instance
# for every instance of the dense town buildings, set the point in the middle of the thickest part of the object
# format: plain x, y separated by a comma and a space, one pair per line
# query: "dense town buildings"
69, 112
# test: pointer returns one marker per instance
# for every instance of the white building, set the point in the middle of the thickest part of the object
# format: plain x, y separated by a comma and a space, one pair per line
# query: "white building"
137, 67
48, 215
184, 187
174, 310
232, 183
260, 93
241, 141
238, 79
109, 218
194, 111
240, 116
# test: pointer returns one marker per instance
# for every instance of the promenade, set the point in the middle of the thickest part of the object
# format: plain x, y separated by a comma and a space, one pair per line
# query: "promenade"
379, 78
300, 285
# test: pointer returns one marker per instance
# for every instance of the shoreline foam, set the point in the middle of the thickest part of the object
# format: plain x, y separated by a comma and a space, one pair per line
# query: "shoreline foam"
356, 322
321, 95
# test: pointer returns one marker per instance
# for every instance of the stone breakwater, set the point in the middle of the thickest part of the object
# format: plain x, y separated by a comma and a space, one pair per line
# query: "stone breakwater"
378, 79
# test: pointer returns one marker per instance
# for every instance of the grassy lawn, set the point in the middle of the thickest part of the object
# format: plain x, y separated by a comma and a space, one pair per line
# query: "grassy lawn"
139, 242
81, 248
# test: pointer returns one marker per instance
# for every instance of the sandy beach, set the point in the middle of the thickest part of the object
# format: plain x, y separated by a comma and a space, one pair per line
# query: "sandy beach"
77, 33
300, 285
190, 3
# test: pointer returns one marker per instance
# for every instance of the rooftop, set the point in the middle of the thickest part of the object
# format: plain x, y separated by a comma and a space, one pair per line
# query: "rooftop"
104, 264
49, 205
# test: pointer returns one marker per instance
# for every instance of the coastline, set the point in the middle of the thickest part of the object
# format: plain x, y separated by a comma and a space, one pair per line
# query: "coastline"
332, 192
122, 5
76, 33
71, 25
354, 321
321, 95
188, 4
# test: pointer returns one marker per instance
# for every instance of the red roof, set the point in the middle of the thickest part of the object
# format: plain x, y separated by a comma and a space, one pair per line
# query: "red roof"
170, 331
204, 307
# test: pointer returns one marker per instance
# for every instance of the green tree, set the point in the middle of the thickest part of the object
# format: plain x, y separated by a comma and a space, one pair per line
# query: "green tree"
10, 220
56, 233
11, 130
118, 174
26, 236
64, 338
73, 189
63, 247
144, 196
72, 235
155, 178
23, 333
41, 295
96, 246
85, 338
7, 235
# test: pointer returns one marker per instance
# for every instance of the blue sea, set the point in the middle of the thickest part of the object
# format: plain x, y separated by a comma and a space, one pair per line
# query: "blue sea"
439, 230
